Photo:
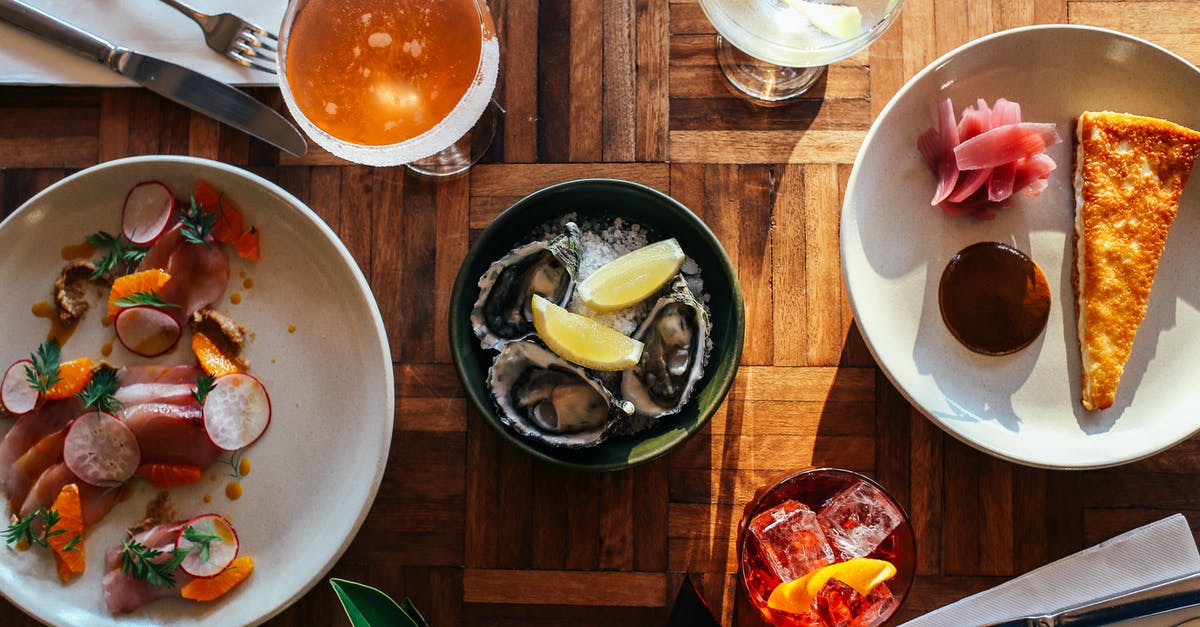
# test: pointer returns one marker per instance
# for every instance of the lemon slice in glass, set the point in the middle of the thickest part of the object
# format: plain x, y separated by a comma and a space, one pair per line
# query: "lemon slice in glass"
838, 20
584, 341
860, 573
632, 277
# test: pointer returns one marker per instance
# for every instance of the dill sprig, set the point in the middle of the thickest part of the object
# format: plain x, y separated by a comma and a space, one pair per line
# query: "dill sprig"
197, 224
142, 562
234, 462
122, 256
23, 530
205, 383
147, 297
202, 539
71, 545
44, 372
101, 391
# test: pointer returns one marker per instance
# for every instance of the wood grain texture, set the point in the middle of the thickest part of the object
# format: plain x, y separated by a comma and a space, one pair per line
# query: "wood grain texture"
478, 533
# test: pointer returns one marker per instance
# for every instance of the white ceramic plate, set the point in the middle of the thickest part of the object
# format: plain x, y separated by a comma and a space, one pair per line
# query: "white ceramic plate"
1024, 407
317, 468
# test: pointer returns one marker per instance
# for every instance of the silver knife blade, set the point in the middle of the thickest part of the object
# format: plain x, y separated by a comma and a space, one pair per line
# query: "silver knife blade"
174, 82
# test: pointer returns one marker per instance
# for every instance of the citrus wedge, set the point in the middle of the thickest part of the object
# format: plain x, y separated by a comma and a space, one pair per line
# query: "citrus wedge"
209, 588
632, 277
584, 341
68, 546
150, 280
860, 573
837, 20
73, 376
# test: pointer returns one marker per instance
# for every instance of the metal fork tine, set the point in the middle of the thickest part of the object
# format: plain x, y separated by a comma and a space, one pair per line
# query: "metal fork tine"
250, 52
237, 57
251, 38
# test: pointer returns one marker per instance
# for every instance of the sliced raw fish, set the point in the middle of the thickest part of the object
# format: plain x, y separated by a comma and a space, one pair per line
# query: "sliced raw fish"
124, 593
140, 393
29, 429
1004, 144
199, 272
95, 502
129, 375
28, 467
171, 434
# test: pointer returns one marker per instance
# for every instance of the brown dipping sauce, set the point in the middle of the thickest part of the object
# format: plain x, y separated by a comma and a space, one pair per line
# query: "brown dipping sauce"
994, 298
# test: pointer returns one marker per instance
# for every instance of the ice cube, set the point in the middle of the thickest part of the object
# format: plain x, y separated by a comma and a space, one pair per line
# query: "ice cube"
839, 605
791, 540
857, 519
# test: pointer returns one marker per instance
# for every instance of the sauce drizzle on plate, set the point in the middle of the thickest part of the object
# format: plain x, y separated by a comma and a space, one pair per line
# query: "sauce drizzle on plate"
994, 298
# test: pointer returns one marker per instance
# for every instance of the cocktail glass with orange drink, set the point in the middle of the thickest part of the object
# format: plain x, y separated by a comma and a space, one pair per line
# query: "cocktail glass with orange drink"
825, 546
390, 82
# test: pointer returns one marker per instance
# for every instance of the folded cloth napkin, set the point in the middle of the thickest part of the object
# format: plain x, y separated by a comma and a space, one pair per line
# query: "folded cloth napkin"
146, 26
1150, 554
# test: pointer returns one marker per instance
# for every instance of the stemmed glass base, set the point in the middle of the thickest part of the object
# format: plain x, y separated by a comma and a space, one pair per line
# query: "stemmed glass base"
458, 157
767, 83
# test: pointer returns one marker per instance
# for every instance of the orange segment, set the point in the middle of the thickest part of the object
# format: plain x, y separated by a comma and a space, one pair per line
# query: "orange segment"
71, 563
73, 376
247, 245
150, 280
164, 476
229, 223
211, 588
211, 358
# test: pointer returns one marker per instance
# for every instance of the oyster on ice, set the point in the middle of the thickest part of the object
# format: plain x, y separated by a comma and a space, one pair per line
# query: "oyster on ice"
502, 312
542, 396
676, 337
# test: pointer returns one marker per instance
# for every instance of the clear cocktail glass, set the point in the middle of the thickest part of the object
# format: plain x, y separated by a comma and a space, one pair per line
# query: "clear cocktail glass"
775, 50
818, 517
391, 82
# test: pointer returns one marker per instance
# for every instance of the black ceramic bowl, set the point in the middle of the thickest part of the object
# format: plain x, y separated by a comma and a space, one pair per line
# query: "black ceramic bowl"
668, 218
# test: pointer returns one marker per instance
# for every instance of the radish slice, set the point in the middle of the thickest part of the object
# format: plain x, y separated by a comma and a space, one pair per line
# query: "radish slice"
101, 450
237, 411
147, 212
17, 397
221, 551
147, 330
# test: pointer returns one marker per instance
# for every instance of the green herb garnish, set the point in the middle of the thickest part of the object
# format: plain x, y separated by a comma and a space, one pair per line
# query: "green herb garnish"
100, 391
71, 544
24, 529
148, 297
121, 257
205, 383
44, 372
197, 224
234, 462
140, 562
202, 539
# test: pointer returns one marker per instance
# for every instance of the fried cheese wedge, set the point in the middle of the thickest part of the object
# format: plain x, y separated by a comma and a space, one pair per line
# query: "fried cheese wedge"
1129, 174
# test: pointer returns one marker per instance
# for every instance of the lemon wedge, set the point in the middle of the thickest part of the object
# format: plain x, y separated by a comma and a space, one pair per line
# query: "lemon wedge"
838, 20
584, 341
632, 277
860, 573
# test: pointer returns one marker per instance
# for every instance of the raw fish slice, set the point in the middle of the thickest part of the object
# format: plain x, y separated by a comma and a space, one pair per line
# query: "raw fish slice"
1004, 144
26, 470
141, 393
32, 427
199, 272
95, 502
124, 593
129, 375
170, 410
166, 437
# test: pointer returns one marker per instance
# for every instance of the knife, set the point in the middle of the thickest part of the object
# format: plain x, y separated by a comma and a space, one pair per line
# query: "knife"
1166, 596
173, 82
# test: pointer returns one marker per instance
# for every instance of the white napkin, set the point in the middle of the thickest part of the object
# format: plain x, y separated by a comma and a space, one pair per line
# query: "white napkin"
147, 26
1156, 552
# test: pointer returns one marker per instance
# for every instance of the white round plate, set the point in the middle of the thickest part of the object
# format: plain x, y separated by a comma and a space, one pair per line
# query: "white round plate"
317, 468
1024, 407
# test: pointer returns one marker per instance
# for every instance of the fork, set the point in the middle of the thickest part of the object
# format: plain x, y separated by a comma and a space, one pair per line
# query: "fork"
239, 40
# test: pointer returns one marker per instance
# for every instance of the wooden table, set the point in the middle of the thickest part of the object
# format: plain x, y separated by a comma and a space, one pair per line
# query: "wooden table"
477, 532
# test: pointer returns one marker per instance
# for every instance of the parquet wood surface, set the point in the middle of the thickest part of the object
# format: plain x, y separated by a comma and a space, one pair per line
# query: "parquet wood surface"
476, 532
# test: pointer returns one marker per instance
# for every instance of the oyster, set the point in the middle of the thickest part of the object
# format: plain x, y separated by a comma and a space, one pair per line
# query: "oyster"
542, 396
502, 311
676, 337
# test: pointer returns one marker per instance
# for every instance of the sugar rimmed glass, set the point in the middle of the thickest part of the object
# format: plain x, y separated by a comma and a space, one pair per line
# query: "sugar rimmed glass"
387, 66
770, 51
813, 488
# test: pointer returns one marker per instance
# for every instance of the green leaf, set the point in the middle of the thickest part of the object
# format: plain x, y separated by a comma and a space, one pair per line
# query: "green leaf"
368, 607
407, 606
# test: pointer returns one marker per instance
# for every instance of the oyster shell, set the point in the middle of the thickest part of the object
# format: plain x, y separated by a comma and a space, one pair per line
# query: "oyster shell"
677, 344
502, 311
542, 396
